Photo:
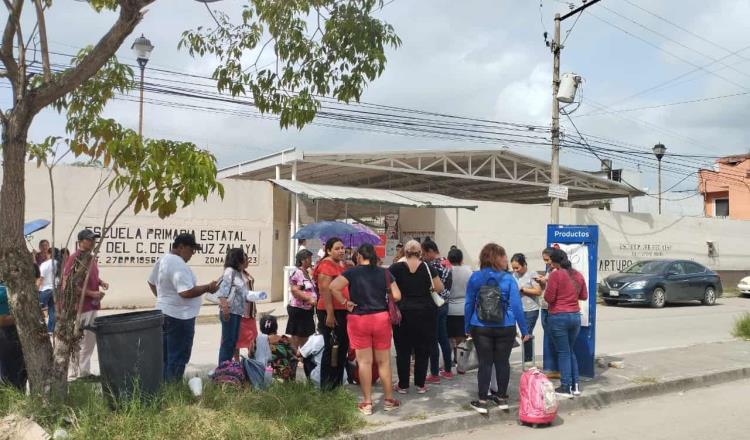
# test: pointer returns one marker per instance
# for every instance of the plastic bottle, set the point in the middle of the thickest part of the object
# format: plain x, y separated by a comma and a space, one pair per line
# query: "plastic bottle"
268, 377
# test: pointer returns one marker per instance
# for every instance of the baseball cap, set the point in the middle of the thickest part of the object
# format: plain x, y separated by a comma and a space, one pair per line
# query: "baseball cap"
186, 239
87, 234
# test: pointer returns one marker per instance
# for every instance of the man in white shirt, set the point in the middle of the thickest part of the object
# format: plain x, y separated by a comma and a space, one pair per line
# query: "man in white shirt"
48, 272
179, 298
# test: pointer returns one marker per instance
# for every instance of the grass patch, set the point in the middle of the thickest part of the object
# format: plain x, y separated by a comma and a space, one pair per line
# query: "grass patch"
731, 292
645, 380
742, 326
285, 411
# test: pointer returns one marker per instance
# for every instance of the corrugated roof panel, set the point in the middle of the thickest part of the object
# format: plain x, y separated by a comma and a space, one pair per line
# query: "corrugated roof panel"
369, 195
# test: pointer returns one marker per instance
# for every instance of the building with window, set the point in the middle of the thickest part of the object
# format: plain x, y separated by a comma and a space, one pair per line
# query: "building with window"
726, 188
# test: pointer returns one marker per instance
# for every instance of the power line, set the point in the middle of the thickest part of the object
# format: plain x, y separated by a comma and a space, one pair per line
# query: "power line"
650, 107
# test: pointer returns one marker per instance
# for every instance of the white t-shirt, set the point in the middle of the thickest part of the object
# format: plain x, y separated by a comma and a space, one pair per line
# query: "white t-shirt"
171, 276
49, 278
530, 303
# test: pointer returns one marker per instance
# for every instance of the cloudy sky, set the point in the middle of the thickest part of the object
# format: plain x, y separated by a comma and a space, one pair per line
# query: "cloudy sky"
482, 59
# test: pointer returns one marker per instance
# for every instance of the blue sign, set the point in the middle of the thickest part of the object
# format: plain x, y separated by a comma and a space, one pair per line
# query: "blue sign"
581, 243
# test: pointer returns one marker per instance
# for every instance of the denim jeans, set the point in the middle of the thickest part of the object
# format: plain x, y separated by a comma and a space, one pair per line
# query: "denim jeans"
528, 346
177, 337
230, 332
47, 300
441, 344
564, 328
550, 357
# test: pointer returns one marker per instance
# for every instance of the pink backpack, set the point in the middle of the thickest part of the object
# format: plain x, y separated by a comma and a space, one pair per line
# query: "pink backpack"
538, 401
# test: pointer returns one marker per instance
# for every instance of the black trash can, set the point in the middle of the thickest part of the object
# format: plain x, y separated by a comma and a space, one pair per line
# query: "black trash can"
130, 353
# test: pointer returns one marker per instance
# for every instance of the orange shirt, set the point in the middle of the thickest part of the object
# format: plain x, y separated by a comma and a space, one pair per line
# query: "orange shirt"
333, 270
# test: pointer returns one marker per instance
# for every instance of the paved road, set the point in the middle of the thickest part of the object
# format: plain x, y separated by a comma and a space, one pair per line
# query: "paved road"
717, 413
620, 330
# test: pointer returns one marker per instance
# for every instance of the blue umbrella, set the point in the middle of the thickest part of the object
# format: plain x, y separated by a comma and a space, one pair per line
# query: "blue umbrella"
325, 229
34, 225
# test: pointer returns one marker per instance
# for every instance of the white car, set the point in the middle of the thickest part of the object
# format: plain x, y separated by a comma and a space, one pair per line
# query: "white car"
744, 286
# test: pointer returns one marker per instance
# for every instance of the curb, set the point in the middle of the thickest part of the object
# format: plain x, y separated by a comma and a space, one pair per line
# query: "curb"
467, 420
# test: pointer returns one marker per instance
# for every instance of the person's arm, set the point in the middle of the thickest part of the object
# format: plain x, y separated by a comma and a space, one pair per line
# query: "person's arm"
583, 294
471, 295
298, 291
337, 287
152, 287
395, 291
7, 321
197, 291
534, 290
550, 294
153, 278
437, 283
324, 283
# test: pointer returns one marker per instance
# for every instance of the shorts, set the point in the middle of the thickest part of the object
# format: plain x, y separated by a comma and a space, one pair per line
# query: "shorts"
300, 323
456, 327
370, 331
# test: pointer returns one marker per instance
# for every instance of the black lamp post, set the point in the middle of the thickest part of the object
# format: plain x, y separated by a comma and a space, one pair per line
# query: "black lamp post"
142, 48
659, 150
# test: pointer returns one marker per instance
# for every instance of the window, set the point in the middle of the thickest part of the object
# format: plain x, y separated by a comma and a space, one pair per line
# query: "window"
678, 268
721, 208
694, 267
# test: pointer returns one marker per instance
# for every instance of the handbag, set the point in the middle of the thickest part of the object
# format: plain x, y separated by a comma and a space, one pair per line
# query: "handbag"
467, 356
394, 313
437, 299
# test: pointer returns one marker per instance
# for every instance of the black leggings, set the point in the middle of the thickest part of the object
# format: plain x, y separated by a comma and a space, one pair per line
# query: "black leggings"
493, 348
333, 377
415, 335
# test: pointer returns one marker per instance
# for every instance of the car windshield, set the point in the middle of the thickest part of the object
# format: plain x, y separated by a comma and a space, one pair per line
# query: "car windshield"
652, 267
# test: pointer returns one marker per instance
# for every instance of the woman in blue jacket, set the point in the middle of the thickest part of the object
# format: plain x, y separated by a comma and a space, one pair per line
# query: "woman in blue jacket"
493, 309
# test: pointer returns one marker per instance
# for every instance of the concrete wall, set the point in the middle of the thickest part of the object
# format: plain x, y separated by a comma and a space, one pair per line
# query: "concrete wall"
243, 218
624, 238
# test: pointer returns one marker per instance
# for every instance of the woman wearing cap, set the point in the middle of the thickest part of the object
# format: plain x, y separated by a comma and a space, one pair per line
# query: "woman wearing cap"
301, 323
233, 294
369, 323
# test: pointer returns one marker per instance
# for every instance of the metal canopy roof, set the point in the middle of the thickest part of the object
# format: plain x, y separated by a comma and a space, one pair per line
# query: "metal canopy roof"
494, 175
386, 197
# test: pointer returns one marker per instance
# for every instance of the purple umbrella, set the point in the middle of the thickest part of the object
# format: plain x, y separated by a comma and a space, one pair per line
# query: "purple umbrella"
356, 239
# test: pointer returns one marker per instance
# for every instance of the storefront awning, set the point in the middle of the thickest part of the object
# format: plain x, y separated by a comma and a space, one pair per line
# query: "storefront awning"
348, 194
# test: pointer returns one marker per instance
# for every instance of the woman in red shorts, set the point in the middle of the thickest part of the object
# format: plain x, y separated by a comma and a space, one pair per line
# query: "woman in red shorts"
369, 324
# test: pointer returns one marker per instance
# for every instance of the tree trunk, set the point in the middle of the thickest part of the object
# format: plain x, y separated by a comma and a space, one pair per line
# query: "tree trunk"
16, 262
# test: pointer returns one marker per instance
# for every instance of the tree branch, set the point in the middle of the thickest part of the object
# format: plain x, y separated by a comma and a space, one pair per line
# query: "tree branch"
130, 16
6, 51
43, 40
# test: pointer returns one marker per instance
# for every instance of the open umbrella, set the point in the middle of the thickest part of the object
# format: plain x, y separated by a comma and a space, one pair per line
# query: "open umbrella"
325, 229
34, 225
355, 239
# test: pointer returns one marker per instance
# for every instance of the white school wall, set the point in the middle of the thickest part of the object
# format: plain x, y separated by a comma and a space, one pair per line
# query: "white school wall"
249, 215
623, 238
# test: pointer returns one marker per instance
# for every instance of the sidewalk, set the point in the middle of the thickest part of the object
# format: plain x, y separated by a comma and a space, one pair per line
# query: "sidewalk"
445, 408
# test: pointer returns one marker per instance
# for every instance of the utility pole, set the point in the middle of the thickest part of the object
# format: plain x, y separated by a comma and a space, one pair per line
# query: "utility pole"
555, 162
556, 47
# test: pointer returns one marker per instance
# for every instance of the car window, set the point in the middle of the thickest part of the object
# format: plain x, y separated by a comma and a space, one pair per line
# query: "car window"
694, 268
651, 267
678, 268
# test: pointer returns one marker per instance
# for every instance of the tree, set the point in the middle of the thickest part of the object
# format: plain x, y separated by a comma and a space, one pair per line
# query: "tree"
338, 58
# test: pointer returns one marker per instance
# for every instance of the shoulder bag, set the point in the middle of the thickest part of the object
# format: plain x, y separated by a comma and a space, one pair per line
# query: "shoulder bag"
437, 299
393, 311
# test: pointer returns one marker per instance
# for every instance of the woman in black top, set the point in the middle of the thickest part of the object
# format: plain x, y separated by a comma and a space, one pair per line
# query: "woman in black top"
369, 324
417, 333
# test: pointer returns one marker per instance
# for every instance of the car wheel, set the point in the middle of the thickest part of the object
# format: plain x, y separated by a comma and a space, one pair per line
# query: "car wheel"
709, 298
658, 298
610, 302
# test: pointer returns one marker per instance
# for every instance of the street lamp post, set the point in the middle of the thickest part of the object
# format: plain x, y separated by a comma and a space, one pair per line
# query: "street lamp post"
142, 48
659, 150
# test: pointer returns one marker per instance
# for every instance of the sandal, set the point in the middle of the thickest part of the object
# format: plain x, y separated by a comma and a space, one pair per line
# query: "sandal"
365, 408
391, 404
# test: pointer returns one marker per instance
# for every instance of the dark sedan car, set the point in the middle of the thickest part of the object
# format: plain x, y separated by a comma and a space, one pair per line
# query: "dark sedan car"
657, 282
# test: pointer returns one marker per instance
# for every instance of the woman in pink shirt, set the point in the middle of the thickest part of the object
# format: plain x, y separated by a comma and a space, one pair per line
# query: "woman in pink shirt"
565, 287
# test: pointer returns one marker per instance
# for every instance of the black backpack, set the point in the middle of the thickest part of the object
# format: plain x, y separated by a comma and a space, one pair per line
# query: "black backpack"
491, 304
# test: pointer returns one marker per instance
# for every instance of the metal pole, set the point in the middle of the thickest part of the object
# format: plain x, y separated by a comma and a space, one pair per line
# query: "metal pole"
456, 243
555, 162
659, 173
140, 117
293, 219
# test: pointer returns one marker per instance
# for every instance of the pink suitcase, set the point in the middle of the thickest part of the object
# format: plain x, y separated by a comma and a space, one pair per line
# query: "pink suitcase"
538, 401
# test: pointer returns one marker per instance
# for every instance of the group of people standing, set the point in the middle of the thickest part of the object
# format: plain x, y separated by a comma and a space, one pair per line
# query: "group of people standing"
440, 303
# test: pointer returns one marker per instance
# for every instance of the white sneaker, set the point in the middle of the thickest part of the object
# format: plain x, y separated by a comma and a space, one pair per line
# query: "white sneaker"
576, 390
